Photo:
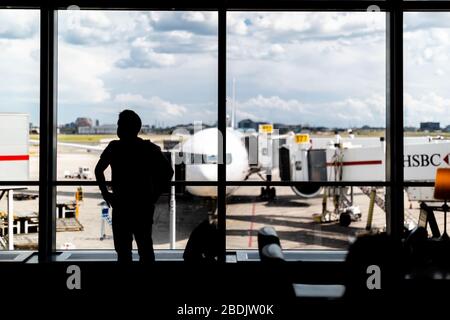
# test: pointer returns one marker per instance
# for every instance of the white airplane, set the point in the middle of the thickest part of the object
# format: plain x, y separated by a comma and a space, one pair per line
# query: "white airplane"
201, 159
204, 168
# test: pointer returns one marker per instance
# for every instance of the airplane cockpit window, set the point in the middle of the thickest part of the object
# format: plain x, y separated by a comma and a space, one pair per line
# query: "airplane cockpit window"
200, 159
211, 159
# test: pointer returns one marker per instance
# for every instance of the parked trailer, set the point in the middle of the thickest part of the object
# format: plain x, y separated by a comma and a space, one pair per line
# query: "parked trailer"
14, 161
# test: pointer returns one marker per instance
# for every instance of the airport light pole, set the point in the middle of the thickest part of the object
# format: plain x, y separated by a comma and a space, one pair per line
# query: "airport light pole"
10, 209
233, 111
172, 208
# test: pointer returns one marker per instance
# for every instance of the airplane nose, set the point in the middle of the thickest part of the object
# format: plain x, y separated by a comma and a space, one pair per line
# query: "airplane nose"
205, 172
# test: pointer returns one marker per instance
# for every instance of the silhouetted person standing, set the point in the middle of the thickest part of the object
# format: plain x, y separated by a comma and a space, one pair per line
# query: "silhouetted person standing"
140, 172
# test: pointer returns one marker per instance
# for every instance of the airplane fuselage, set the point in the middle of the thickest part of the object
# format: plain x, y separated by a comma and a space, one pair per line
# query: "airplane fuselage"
205, 143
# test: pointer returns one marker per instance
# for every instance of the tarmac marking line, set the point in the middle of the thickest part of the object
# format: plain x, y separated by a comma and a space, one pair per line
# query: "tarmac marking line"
250, 238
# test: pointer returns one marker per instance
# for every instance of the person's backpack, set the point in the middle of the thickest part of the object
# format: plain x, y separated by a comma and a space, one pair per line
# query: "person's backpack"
162, 173
203, 244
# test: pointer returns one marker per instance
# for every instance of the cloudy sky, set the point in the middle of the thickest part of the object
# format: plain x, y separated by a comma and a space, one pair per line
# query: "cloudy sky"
309, 68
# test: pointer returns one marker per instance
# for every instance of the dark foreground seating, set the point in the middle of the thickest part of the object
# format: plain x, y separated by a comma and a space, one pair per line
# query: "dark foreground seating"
269, 246
270, 251
267, 235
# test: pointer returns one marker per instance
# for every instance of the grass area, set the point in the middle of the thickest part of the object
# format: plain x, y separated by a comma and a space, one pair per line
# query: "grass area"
82, 138
381, 133
78, 138
357, 133
446, 135
96, 138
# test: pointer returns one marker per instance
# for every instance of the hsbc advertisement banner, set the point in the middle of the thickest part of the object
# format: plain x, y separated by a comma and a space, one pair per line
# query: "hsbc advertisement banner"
422, 160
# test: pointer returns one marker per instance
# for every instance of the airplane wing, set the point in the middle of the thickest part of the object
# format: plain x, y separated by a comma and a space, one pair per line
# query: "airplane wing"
82, 146
76, 145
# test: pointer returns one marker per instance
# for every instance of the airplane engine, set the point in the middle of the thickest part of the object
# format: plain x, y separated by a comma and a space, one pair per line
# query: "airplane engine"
307, 191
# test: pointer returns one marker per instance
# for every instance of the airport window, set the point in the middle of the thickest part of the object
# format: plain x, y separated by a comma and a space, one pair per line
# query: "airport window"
426, 110
19, 129
84, 221
110, 61
19, 95
19, 218
307, 93
426, 98
162, 65
308, 80
242, 67
303, 223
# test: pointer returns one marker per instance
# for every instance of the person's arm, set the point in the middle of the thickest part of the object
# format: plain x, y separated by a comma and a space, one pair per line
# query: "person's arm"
100, 168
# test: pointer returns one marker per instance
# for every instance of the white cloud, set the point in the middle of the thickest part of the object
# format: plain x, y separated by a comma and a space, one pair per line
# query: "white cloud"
311, 25
194, 16
347, 112
426, 107
85, 28
164, 109
236, 24
426, 20
96, 28
143, 55
427, 69
180, 36
202, 23
324, 68
19, 63
255, 51
80, 76
18, 24
272, 103
315, 56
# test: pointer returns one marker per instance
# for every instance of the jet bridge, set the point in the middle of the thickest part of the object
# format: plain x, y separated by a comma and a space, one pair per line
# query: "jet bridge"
359, 160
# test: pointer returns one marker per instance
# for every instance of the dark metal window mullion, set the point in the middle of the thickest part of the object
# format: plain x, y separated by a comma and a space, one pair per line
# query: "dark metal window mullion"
243, 183
394, 120
47, 135
221, 167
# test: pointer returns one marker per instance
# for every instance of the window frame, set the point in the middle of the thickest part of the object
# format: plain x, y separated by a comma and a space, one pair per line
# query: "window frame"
48, 182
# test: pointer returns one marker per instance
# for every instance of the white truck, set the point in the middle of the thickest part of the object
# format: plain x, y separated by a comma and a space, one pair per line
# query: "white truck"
82, 173
14, 146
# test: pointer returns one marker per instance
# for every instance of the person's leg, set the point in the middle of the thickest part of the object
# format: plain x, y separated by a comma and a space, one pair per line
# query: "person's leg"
123, 237
142, 230
143, 237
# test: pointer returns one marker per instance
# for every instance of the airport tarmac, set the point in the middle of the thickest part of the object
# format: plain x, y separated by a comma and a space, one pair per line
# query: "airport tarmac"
290, 215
